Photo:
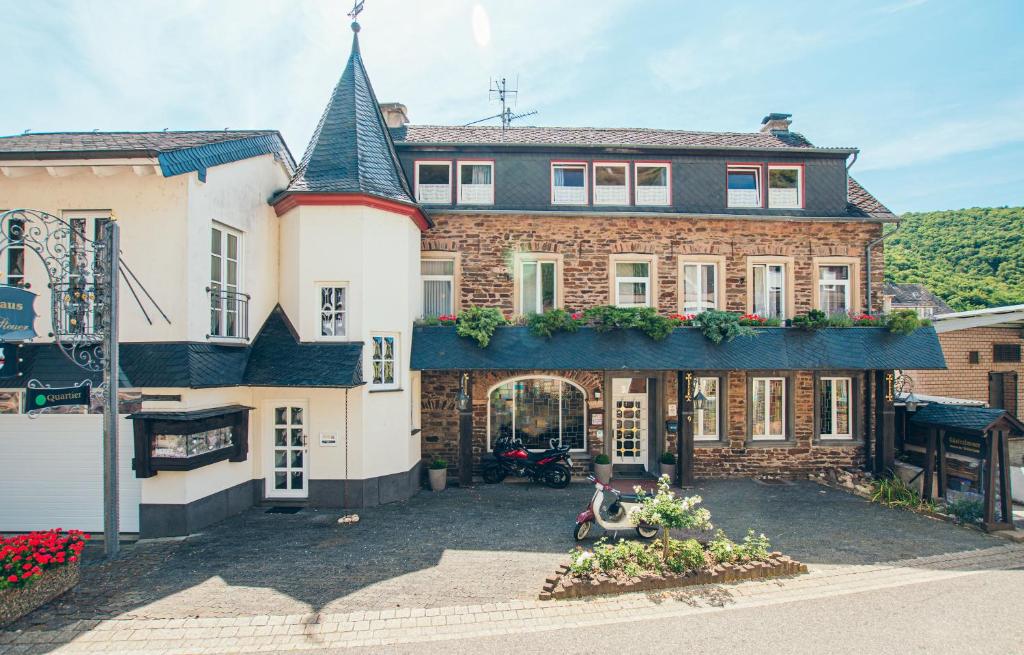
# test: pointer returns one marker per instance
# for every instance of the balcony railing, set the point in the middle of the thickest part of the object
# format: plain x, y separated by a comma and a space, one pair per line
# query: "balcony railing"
77, 310
229, 313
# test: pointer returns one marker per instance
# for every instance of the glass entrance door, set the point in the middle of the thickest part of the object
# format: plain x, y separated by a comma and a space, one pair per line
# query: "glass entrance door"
629, 421
289, 460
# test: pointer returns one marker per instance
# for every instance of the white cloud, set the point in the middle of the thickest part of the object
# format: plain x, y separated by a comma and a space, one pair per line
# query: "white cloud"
897, 7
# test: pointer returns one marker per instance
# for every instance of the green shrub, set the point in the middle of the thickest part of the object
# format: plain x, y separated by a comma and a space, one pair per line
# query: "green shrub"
685, 555
429, 321
812, 320
437, 464
667, 512
668, 458
966, 510
723, 549
840, 320
755, 547
602, 459
605, 318
555, 320
719, 326
479, 324
905, 321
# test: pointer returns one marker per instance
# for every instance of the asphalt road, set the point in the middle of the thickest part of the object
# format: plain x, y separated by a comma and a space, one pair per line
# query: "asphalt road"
978, 613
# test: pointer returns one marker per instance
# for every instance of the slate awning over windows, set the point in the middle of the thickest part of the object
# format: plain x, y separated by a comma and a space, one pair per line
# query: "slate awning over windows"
974, 421
275, 358
515, 348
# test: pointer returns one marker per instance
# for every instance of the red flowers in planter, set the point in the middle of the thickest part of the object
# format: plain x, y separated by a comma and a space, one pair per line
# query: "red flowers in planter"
25, 557
448, 319
682, 319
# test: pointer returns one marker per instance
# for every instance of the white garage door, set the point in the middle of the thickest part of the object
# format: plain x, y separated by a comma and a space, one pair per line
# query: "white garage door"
53, 473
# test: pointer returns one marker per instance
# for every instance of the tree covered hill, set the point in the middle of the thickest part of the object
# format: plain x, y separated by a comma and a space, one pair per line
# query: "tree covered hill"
972, 258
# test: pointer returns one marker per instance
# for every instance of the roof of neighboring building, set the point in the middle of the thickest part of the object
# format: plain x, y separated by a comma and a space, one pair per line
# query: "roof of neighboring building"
177, 152
275, 358
1009, 316
516, 348
963, 418
602, 137
351, 149
861, 202
915, 295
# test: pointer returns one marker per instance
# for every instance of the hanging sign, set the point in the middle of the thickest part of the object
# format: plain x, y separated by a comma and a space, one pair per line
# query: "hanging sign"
17, 316
37, 399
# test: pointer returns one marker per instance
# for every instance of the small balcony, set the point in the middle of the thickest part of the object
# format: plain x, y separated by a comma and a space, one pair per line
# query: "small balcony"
229, 314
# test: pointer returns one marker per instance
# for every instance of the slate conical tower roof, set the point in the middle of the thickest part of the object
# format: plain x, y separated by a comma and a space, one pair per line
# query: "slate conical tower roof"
351, 151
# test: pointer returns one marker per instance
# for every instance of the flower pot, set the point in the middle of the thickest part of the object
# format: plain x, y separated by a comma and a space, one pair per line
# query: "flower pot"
603, 472
669, 470
438, 479
16, 602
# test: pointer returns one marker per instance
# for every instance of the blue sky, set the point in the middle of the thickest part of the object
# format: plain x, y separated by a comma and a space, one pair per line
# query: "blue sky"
931, 91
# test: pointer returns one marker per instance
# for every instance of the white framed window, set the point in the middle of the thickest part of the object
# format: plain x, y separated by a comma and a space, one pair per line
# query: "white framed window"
536, 410
834, 289
227, 302
438, 276
768, 409
744, 185
768, 286
699, 286
384, 361
611, 183
333, 310
476, 183
653, 182
706, 421
538, 284
835, 408
568, 183
433, 181
785, 186
632, 283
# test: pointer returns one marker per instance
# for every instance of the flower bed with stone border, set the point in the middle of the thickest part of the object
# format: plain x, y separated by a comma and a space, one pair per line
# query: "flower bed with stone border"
35, 568
16, 602
564, 584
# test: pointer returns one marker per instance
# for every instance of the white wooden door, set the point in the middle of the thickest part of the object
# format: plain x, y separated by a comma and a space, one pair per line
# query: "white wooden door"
288, 475
629, 421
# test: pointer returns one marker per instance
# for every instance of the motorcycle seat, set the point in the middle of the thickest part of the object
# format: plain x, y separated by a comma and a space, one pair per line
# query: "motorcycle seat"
628, 498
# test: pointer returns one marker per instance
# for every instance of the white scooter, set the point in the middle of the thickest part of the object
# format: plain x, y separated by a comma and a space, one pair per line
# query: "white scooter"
618, 513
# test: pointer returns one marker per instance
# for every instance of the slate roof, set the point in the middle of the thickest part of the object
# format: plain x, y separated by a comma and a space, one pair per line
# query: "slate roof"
515, 348
177, 152
963, 418
862, 203
598, 137
274, 359
351, 150
915, 295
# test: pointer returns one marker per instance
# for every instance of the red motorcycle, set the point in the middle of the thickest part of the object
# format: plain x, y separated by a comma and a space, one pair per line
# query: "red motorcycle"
552, 467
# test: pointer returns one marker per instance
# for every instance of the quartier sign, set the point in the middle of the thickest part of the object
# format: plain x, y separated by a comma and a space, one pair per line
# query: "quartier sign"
17, 314
37, 399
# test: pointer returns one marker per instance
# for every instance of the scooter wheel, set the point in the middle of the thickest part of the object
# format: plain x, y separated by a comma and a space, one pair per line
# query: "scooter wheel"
581, 531
557, 476
647, 533
493, 474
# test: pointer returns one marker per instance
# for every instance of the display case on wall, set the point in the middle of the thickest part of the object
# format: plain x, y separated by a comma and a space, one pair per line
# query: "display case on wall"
187, 440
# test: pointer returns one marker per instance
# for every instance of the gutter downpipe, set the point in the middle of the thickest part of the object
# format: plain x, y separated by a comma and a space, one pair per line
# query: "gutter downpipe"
867, 256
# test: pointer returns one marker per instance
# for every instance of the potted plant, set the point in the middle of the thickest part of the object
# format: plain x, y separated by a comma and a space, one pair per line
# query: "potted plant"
603, 468
668, 464
438, 474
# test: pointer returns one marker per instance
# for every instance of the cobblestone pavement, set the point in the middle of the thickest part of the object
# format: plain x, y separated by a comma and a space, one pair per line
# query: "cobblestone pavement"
277, 575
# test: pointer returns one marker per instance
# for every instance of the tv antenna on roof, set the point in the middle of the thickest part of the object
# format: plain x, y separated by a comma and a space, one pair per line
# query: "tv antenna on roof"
499, 91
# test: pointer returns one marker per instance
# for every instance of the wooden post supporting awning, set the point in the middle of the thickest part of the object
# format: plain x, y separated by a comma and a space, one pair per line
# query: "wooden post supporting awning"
684, 428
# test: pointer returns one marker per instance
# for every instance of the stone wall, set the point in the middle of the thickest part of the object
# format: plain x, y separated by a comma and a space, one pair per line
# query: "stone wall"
487, 245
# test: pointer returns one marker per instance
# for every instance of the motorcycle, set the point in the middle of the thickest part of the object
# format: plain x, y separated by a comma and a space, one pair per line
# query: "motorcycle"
618, 515
552, 467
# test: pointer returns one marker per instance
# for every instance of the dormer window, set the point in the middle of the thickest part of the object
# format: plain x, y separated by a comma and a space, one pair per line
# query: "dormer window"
611, 184
476, 182
652, 184
568, 183
434, 182
744, 182
785, 186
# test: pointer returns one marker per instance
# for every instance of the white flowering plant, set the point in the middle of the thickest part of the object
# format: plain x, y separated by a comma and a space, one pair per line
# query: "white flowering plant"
667, 512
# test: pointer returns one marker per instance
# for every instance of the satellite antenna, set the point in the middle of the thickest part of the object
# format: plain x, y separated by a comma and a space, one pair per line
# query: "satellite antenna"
498, 90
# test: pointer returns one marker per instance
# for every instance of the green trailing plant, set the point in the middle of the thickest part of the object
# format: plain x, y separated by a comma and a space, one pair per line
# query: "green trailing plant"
437, 464
666, 512
966, 510
905, 321
602, 459
719, 326
605, 318
668, 458
812, 320
552, 321
479, 324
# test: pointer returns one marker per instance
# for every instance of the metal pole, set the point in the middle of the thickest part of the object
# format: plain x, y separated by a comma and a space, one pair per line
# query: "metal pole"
111, 262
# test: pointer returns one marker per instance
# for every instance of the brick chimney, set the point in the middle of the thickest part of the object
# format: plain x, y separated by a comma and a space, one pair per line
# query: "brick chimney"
775, 122
395, 114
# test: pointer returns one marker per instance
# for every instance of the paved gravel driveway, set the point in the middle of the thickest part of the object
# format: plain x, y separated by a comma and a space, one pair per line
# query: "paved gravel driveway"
461, 547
